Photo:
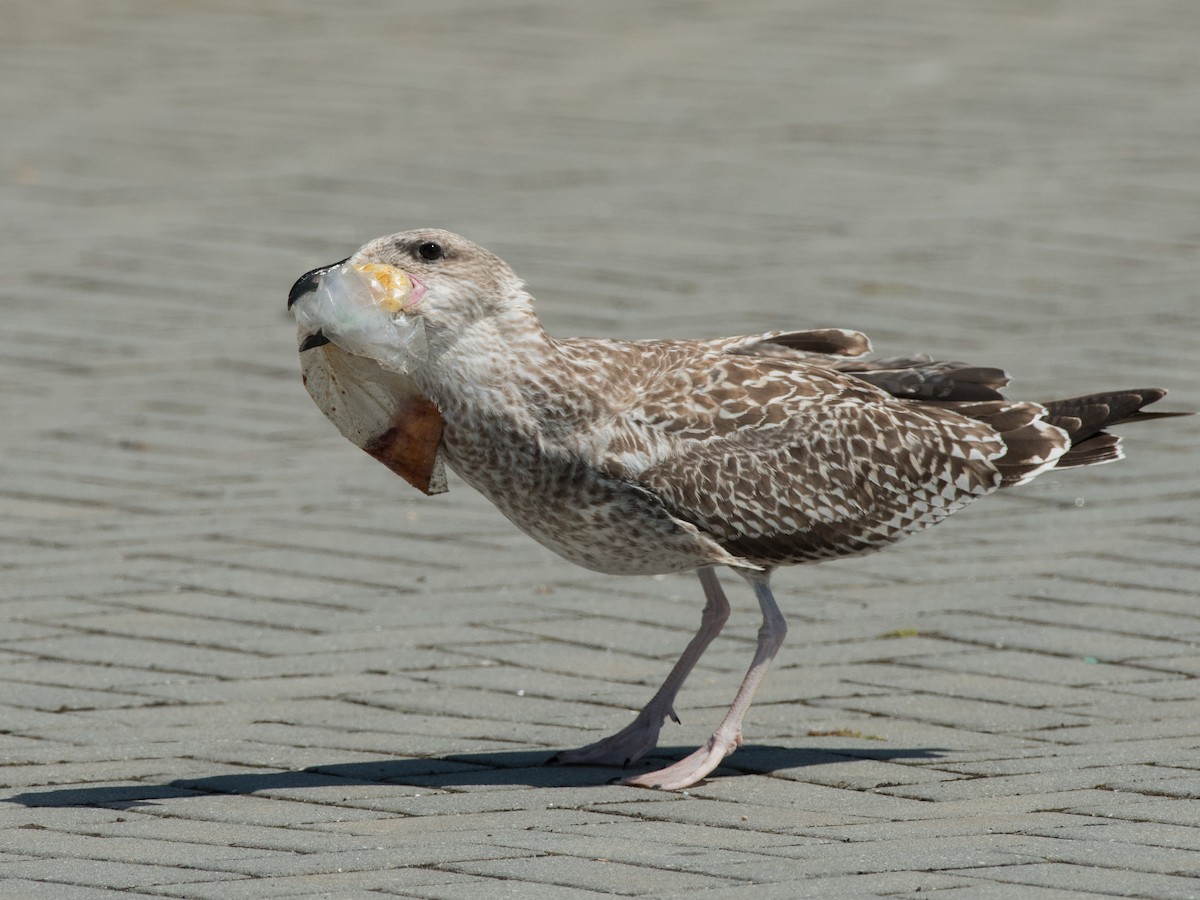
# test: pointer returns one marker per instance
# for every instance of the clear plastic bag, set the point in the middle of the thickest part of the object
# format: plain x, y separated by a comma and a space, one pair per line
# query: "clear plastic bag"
362, 309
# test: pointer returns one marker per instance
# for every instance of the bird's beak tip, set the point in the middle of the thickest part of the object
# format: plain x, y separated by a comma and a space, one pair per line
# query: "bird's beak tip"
307, 283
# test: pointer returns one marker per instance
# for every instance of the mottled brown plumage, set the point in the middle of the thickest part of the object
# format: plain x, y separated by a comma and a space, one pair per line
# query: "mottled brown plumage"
640, 457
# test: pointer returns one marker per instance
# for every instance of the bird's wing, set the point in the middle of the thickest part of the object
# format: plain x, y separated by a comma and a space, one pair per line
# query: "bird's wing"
836, 343
784, 461
915, 376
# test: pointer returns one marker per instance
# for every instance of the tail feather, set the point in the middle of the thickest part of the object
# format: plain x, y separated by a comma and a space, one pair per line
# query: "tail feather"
1099, 448
1062, 433
1097, 411
1032, 444
1085, 418
1037, 436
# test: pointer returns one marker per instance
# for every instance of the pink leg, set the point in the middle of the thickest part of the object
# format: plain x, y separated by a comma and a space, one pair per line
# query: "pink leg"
641, 735
728, 736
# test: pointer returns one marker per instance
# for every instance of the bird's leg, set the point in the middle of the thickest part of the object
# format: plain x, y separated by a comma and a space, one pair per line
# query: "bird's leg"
641, 735
728, 736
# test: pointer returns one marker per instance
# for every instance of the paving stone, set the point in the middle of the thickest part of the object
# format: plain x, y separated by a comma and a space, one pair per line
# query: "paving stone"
48, 844
497, 817
1136, 807
716, 861
391, 882
1089, 879
1114, 733
1003, 786
1154, 834
1014, 891
37, 890
86, 872
815, 860
888, 884
1073, 670
467, 888
1136, 857
979, 715
677, 834
932, 829
593, 874
729, 815
1039, 757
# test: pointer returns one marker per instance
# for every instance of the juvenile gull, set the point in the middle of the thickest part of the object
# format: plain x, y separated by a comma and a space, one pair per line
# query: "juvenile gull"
645, 457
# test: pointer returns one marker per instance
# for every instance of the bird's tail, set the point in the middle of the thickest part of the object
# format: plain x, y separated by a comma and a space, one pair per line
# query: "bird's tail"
1085, 418
1037, 436
1060, 433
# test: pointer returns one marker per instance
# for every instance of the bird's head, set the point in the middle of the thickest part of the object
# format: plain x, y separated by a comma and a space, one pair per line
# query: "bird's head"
398, 294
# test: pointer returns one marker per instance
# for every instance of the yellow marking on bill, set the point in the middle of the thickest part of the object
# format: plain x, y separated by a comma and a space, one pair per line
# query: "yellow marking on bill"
391, 288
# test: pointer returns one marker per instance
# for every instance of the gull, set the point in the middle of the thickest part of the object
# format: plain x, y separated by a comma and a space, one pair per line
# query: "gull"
656, 456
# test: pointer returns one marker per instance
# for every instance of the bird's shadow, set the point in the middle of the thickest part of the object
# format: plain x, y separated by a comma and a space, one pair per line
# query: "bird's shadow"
527, 767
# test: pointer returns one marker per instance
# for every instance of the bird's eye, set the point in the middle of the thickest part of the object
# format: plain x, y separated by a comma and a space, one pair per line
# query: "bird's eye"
430, 251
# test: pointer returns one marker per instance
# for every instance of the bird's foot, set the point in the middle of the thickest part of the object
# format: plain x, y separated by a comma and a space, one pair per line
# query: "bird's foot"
689, 770
629, 744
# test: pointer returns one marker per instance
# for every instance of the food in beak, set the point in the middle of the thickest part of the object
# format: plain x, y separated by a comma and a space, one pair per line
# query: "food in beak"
364, 310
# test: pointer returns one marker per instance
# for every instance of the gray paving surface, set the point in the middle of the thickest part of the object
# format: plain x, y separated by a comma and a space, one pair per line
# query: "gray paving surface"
240, 659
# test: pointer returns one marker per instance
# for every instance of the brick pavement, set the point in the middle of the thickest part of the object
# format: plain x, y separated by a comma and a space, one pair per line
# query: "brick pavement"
240, 659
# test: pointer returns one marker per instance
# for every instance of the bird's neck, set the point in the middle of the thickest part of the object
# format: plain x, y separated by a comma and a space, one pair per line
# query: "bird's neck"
503, 366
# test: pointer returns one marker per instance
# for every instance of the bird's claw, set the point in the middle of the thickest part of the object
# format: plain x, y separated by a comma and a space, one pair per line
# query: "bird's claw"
690, 770
622, 749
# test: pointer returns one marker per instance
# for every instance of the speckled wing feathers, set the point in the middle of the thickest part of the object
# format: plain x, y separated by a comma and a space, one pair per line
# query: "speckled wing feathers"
786, 462
915, 376
918, 377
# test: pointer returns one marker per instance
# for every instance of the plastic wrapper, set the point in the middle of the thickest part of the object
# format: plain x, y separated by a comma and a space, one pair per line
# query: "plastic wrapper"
363, 309
380, 411
361, 378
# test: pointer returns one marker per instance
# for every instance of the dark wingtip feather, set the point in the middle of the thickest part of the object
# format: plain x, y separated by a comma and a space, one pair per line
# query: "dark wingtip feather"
920, 378
1088, 415
1085, 418
824, 341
